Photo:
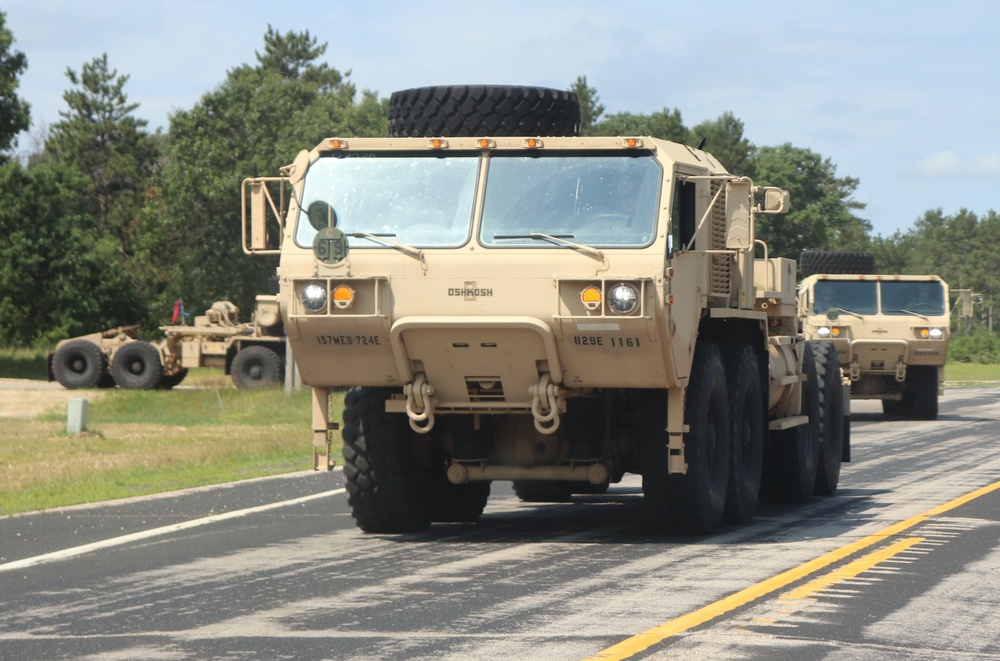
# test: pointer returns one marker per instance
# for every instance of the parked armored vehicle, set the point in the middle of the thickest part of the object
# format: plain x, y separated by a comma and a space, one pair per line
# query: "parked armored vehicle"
891, 334
251, 352
510, 301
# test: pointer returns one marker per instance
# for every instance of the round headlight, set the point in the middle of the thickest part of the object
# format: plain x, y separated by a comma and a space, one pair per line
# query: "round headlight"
823, 331
936, 333
313, 297
623, 299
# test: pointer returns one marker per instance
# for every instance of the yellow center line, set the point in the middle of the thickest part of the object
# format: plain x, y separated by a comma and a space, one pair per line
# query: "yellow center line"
632, 646
853, 569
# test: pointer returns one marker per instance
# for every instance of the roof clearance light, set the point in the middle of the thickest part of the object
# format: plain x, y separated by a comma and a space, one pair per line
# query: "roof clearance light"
338, 144
438, 143
533, 143
591, 297
632, 143
486, 143
343, 296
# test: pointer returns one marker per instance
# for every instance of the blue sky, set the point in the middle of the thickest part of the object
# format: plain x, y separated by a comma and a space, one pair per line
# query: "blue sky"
900, 95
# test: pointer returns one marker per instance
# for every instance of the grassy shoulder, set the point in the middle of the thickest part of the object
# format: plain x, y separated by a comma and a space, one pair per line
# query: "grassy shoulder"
140, 442
971, 374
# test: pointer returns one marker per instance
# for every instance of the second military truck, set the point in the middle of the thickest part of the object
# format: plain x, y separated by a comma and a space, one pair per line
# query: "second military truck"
509, 301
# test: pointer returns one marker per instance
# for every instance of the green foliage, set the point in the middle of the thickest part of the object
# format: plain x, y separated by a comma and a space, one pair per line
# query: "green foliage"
980, 346
590, 107
822, 214
14, 111
665, 124
724, 139
23, 364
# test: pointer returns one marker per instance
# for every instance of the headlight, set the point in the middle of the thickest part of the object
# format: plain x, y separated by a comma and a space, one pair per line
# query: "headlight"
623, 299
313, 297
936, 333
823, 331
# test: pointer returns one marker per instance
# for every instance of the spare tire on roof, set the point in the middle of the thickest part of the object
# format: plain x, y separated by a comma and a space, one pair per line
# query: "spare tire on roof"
836, 262
483, 110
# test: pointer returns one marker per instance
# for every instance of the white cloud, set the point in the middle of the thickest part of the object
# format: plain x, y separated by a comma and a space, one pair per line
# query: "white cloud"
949, 164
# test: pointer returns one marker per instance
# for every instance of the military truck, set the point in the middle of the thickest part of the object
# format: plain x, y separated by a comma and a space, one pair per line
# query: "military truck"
509, 301
891, 334
251, 352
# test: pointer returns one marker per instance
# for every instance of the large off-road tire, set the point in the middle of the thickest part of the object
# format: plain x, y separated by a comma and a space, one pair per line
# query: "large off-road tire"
894, 407
543, 491
692, 502
137, 366
831, 418
256, 366
483, 110
923, 392
746, 403
390, 485
836, 262
791, 456
79, 364
168, 382
460, 503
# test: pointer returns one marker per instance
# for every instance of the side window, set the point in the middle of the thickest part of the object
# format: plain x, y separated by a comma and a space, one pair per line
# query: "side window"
684, 223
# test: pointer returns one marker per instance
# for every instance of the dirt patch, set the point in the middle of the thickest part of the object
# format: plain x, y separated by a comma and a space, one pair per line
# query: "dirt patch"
23, 398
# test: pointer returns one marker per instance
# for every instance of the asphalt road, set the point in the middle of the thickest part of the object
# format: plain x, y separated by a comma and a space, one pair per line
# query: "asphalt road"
902, 563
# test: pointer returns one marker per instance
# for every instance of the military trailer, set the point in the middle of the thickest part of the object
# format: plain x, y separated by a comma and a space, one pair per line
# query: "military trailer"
509, 301
252, 353
891, 334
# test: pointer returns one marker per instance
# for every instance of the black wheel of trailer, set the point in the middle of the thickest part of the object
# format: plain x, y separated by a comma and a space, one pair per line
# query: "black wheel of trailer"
923, 388
483, 110
836, 262
791, 456
171, 380
389, 481
831, 418
256, 366
746, 402
136, 366
692, 502
893, 407
79, 364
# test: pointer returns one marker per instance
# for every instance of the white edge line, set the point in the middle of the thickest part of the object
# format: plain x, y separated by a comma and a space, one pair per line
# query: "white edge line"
156, 532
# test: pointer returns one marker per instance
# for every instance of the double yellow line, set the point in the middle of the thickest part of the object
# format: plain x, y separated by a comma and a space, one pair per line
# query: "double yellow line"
632, 646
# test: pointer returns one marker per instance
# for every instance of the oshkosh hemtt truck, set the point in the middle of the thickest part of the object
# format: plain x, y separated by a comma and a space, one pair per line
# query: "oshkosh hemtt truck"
891, 334
512, 302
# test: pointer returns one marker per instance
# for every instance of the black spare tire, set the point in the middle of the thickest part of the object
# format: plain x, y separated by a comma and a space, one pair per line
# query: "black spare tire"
483, 110
852, 262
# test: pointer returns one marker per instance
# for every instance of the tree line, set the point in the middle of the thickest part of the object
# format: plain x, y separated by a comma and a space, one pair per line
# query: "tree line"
105, 223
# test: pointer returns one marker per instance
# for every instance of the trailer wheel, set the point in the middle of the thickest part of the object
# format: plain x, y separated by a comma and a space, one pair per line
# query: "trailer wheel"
460, 503
388, 488
483, 110
746, 401
692, 502
79, 364
792, 455
831, 419
543, 491
923, 388
256, 366
168, 382
136, 366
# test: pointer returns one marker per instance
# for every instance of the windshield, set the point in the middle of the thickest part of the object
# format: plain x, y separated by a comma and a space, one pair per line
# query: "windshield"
594, 199
414, 199
900, 298
858, 297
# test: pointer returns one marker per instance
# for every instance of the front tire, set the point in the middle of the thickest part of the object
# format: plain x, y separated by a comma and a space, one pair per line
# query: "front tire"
692, 502
831, 419
923, 393
746, 400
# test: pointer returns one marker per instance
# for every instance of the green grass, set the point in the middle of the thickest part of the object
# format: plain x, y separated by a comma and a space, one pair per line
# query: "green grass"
23, 364
971, 374
140, 442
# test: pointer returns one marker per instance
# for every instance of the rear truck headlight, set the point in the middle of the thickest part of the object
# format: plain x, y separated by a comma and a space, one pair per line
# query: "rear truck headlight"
313, 297
343, 296
623, 299
591, 297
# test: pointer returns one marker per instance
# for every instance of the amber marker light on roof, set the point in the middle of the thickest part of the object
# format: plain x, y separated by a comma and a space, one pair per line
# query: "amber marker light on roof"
438, 143
338, 144
486, 143
632, 143
533, 143
591, 297
343, 296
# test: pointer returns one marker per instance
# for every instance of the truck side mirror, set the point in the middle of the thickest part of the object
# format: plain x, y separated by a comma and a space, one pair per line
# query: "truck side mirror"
776, 200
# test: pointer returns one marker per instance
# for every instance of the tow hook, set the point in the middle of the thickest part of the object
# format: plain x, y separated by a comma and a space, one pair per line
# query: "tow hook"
545, 405
900, 371
420, 404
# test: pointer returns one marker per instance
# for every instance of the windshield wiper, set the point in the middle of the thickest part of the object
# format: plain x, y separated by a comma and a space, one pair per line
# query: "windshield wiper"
915, 314
853, 314
561, 239
416, 253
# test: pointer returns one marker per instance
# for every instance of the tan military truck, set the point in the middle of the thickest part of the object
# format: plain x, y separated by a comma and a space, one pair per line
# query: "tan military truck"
252, 353
891, 334
509, 301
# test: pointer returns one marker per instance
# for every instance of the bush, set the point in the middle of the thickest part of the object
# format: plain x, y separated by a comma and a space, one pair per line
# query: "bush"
981, 346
